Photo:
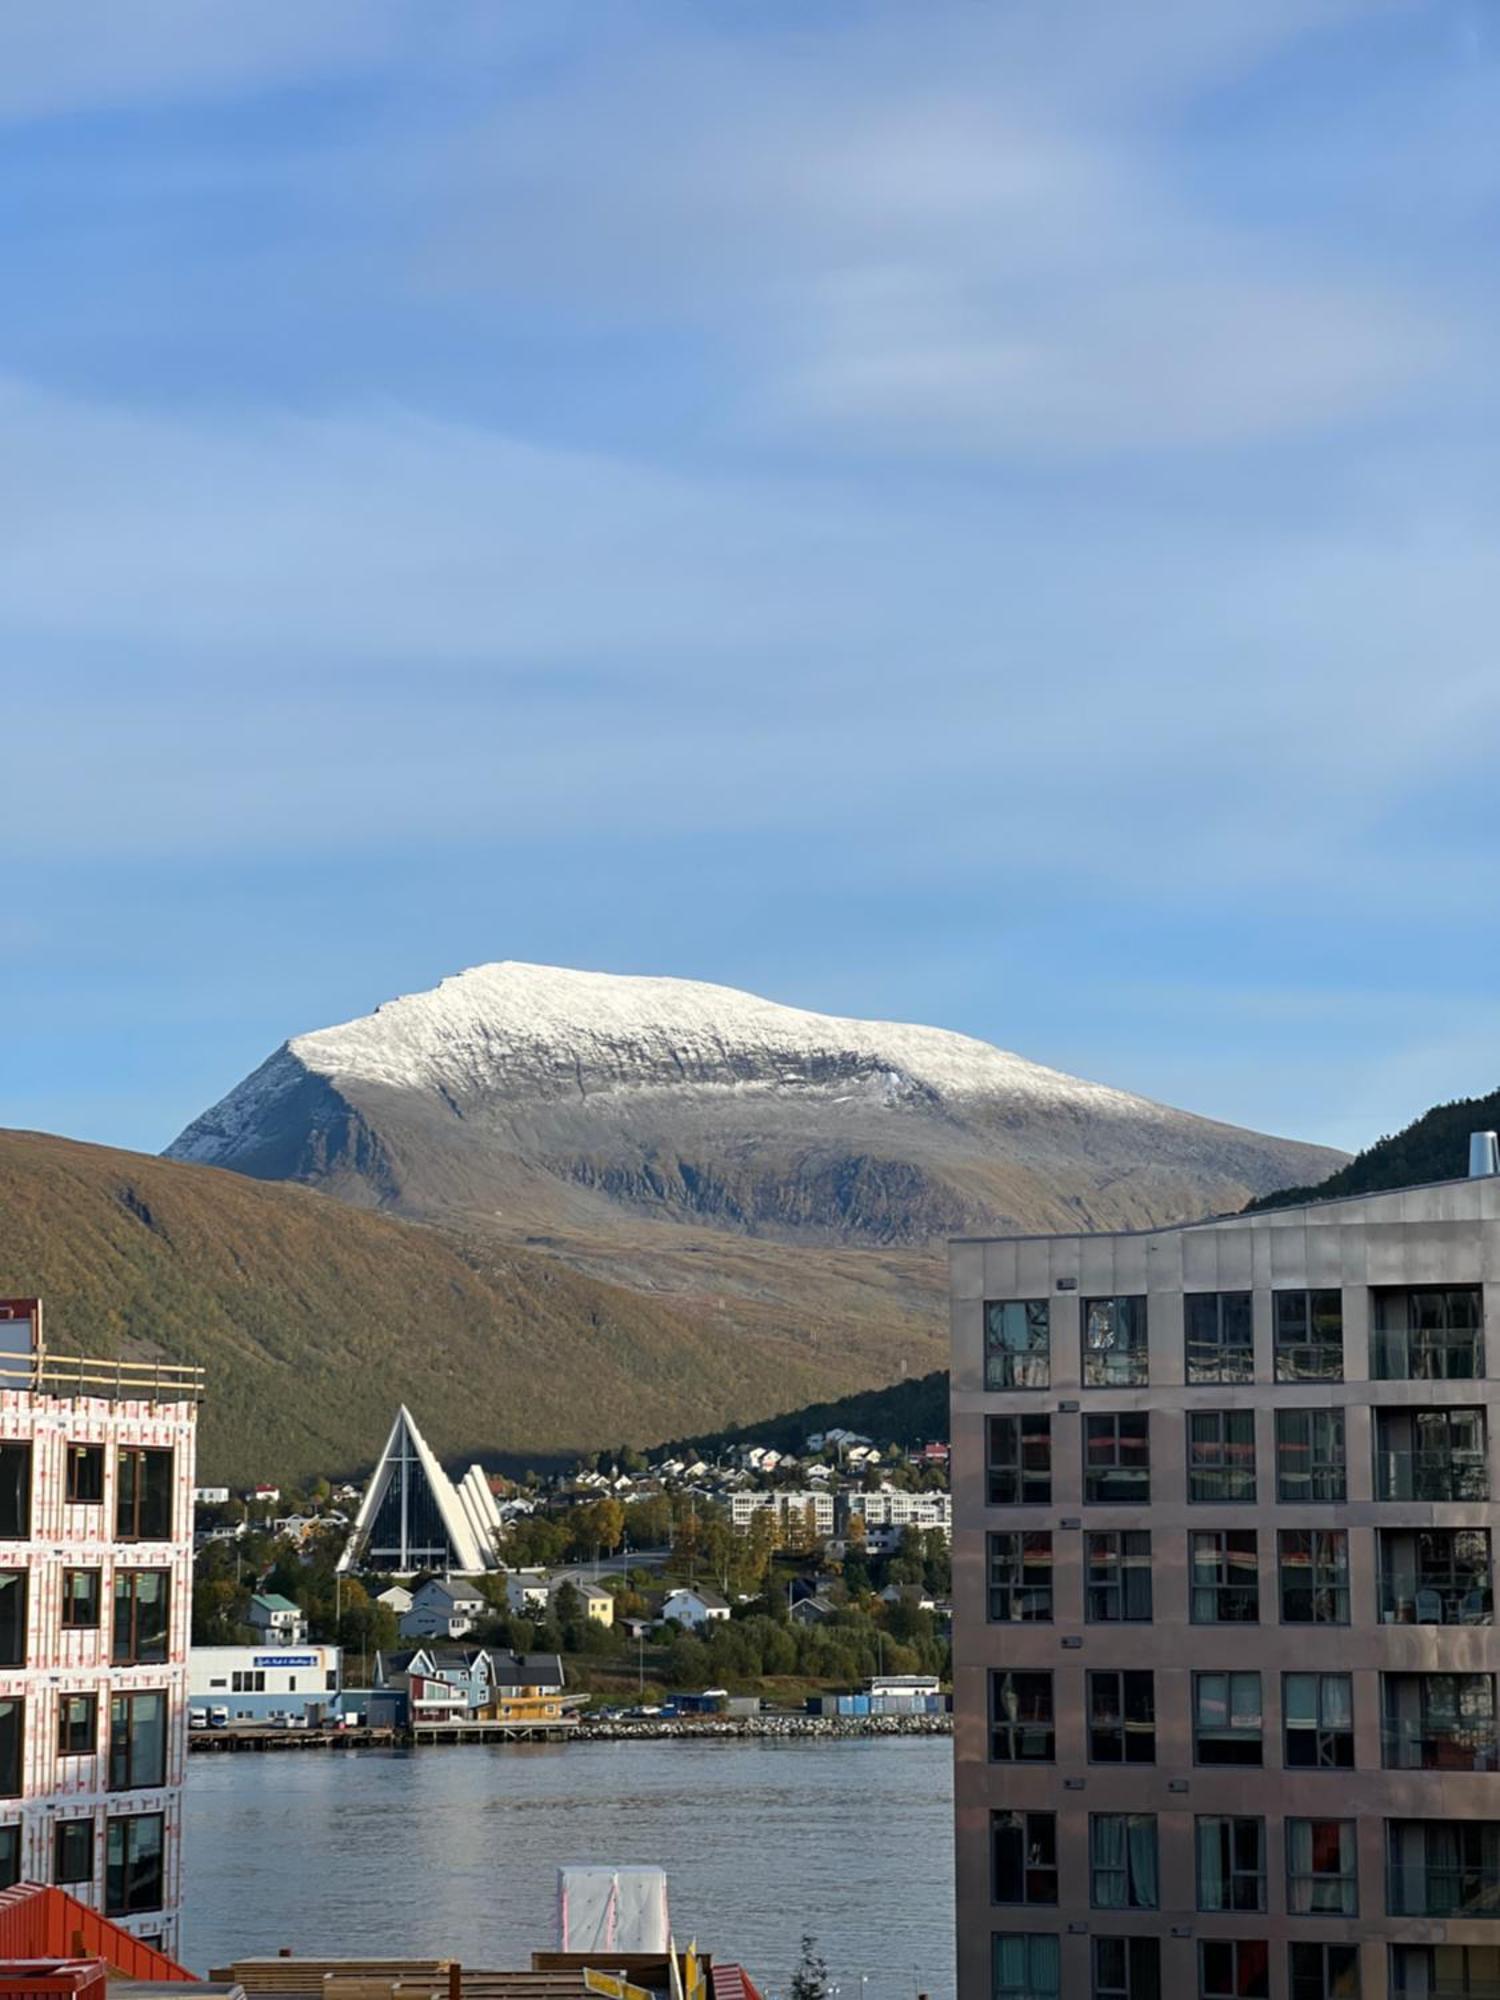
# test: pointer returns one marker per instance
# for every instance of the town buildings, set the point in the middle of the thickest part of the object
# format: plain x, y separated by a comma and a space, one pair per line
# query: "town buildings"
695, 1607
96, 1496
807, 1514
442, 1607
240, 1686
1226, 1658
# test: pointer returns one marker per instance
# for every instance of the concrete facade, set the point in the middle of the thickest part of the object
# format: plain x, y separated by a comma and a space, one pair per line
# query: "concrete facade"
1382, 1893
251, 1684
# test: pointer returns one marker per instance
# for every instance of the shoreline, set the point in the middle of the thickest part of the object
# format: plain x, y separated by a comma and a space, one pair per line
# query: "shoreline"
691, 1728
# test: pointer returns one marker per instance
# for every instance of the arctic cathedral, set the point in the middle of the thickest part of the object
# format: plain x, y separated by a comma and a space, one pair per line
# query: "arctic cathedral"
413, 1517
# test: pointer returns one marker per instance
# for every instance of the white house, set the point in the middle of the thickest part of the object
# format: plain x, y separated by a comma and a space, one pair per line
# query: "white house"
210, 1496
398, 1597
696, 1608
443, 1607
277, 1618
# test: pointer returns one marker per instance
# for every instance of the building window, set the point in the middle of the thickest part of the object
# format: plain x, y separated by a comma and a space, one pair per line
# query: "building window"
85, 1488
77, 1725
1026, 1966
1019, 1461
1308, 1333
1325, 1972
12, 1747
13, 1618
1438, 1722
1431, 1455
1233, 1969
1313, 1566
1443, 1867
1020, 1577
1224, 1574
1322, 1873
1117, 1459
1117, 1576
1428, 1336
1434, 1576
1127, 1968
134, 1872
1317, 1715
1122, 1716
1436, 1971
1114, 1343
1023, 1856
1226, 1718
1310, 1457
1221, 1456
80, 1598
72, 1852
10, 1856
1021, 1719
1220, 1345
142, 1608
1122, 1861
1017, 1344
1231, 1864
143, 1496
15, 1492
137, 1741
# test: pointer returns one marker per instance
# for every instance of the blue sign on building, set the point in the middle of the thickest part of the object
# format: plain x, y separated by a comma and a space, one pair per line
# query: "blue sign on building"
286, 1659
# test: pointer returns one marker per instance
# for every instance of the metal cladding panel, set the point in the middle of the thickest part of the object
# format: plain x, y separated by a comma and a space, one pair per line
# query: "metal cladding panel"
37, 1922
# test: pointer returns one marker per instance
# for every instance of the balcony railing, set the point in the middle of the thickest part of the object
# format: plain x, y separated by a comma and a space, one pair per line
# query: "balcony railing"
120, 1381
1413, 1890
1433, 1604
1431, 1475
1415, 1746
1422, 1354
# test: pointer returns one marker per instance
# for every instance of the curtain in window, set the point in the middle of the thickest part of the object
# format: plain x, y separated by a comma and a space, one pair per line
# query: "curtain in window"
1337, 1695
1110, 1888
1211, 1864
1141, 1847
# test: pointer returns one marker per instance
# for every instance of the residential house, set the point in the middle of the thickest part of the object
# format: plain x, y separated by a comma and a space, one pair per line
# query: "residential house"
815, 1610
397, 1598
527, 1687
695, 1607
528, 1592
277, 1619
438, 1681
598, 1603
444, 1607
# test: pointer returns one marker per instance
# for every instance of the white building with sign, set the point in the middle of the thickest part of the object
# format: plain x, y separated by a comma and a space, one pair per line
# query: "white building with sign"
239, 1686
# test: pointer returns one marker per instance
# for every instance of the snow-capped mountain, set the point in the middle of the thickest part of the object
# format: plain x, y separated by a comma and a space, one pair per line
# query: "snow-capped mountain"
522, 1098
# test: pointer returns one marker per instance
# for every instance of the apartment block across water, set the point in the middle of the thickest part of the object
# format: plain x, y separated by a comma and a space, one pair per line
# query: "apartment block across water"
1224, 1507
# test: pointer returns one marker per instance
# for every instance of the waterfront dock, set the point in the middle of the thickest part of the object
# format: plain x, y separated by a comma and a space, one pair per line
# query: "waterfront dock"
694, 1728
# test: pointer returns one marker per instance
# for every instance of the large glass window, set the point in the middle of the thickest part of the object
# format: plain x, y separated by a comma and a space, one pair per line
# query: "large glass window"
1220, 1345
1117, 1576
1308, 1332
1324, 1971
1443, 1867
1026, 1966
12, 1747
85, 1486
1122, 1716
1434, 1576
1444, 1972
12, 1618
10, 1856
1310, 1457
1021, 1718
1313, 1569
1023, 1854
15, 1492
1114, 1343
1438, 1722
1234, 1969
1317, 1718
137, 1741
134, 1872
1122, 1861
1231, 1863
1322, 1871
142, 1607
1127, 1968
1017, 1344
1117, 1459
1428, 1336
143, 1495
1431, 1455
72, 1852
1020, 1589
77, 1725
80, 1598
1223, 1576
1019, 1461
1227, 1718
1221, 1455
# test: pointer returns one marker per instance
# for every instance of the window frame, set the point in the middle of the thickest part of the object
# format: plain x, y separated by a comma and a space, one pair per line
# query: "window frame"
1028, 1366
1198, 1371
1326, 1477
1345, 1878
78, 1456
66, 1832
1141, 1981
127, 1588
1226, 1584
1028, 1825
1030, 1487
1444, 1583
1140, 1680
1325, 1735
1203, 1734
22, 1579
137, 1497
1327, 1987
1094, 1357
17, 1485
1226, 1829
1238, 1988
1106, 1426
1032, 1600
70, 1622
1327, 1581
13, 1780
89, 1700
1124, 1869
1020, 1728
1287, 1353
127, 1904
1124, 1568
1039, 1945
122, 1775
1230, 1479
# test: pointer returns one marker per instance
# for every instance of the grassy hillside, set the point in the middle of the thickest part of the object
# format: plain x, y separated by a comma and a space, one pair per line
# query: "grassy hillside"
1434, 1147
315, 1319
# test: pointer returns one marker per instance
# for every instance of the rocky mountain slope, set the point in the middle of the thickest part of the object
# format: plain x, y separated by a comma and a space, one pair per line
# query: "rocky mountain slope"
616, 1116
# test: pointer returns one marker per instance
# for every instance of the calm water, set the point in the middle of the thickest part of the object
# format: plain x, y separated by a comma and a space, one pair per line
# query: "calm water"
454, 1852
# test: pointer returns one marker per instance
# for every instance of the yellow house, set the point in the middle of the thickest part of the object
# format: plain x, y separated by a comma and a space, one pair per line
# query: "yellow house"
598, 1603
526, 1687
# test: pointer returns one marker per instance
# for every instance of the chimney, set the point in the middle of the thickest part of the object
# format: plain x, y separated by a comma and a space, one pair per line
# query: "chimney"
1484, 1155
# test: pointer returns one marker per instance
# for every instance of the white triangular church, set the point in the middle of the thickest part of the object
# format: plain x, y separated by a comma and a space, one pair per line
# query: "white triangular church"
413, 1517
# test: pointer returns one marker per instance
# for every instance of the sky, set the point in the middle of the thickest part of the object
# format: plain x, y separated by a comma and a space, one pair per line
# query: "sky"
981, 514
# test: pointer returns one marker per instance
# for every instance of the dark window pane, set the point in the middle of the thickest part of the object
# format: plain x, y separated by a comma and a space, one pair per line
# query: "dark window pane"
134, 1877
15, 1492
13, 1618
85, 1477
73, 1852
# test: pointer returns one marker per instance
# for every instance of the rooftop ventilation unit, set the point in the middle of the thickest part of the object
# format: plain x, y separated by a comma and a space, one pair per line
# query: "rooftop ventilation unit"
1484, 1155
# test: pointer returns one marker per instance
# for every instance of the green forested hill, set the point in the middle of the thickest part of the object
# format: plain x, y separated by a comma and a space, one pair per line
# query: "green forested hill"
1434, 1147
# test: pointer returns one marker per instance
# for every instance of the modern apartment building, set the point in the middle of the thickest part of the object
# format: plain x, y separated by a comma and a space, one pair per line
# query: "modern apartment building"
96, 1526
1226, 1653
808, 1513
893, 1509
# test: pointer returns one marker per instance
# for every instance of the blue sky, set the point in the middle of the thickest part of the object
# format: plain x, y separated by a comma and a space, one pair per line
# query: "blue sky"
984, 514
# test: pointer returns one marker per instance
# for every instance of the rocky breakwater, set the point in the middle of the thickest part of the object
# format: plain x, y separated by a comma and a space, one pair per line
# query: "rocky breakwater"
779, 1727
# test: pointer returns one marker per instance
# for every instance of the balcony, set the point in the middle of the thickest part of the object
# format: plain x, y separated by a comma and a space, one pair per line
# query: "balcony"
1417, 1746
1431, 1475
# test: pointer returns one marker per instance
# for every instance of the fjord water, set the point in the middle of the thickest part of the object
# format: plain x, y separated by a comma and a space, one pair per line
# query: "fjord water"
453, 1852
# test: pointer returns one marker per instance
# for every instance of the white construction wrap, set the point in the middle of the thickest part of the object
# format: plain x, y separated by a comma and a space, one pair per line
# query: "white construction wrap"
612, 1910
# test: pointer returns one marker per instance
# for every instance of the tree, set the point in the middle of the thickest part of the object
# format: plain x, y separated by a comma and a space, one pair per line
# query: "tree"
810, 1980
